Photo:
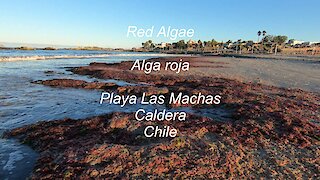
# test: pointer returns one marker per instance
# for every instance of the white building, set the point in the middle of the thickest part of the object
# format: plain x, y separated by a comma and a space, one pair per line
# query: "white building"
309, 43
293, 42
161, 45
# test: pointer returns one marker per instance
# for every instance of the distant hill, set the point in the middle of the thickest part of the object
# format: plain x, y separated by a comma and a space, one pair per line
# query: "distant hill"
33, 45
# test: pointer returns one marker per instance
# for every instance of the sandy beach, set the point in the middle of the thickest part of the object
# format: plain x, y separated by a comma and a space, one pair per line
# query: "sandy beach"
142, 90
266, 126
292, 73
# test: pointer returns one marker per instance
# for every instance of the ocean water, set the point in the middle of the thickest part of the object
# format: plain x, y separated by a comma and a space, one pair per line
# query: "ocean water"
23, 102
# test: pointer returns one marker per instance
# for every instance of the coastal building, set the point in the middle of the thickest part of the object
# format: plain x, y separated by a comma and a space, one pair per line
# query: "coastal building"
308, 43
293, 42
226, 45
192, 44
161, 45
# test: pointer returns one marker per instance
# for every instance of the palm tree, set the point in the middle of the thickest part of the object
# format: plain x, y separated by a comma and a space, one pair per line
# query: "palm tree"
238, 46
259, 34
200, 45
264, 33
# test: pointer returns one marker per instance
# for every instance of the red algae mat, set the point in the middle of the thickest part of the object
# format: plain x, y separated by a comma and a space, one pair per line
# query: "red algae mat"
272, 132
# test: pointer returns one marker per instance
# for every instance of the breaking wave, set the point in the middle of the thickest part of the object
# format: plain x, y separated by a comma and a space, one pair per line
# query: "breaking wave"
48, 57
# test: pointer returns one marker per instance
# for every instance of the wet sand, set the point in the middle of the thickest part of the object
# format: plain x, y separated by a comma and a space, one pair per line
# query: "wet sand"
270, 131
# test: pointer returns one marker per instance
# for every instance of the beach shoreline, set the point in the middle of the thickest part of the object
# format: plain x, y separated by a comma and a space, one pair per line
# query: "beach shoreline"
266, 128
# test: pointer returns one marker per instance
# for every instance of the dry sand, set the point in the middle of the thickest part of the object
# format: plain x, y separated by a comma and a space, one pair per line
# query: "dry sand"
291, 74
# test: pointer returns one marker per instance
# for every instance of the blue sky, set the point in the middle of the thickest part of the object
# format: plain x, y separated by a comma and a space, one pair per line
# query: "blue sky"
105, 23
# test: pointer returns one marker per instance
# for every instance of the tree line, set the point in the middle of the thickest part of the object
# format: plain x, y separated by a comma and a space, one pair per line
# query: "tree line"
267, 44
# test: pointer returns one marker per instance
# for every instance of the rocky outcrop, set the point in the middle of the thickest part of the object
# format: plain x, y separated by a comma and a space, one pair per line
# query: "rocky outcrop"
72, 83
77, 84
